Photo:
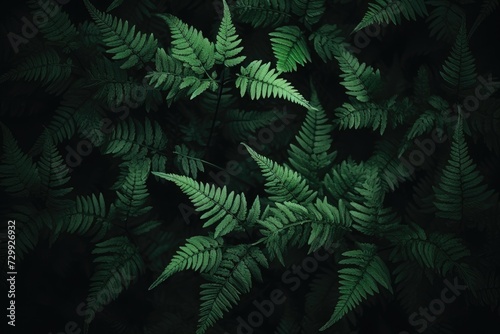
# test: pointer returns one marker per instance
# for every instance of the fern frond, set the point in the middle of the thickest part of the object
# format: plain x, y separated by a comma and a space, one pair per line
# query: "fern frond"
312, 155
135, 48
19, 176
436, 251
88, 213
365, 271
133, 192
118, 264
260, 13
386, 11
188, 161
227, 43
53, 173
233, 277
327, 40
283, 184
45, 67
227, 210
262, 82
461, 192
114, 85
58, 30
369, 215
240, 125
190, 47
444, 21
360, 80
341, 181
200, 253
132, 140
459, 69
290, 48
487, 7
309, 11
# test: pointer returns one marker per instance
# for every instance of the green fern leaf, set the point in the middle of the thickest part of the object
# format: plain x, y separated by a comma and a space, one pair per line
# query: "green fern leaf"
132, 193
310, 11
262, 82
189, 46
188, 161
341, 181
327, 40
283, 184
437, 251
459, 70
312, 156
445, 20
461, 192
263, 13
135, 48
233, 277
118, 265
53, 173
290, 48
19, 176
58, 30
88, 214
240, 125
359, 280
45, 67
228, 210
386, 11
227, 43
199, 253
360, 80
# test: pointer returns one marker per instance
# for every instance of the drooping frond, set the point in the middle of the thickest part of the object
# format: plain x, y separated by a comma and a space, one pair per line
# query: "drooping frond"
188, 161
461, 192
360, 278
190, 46
260, 13
46, 67
309, 11
19, 176
227, 47
386, 11
132, 192
283, 184
314, 140
200, 253
233, 277
122, 40
444, 21
487, 7
360, 80
262, 82
118, 264
327, 41
228, 210
459, 69
290, 48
